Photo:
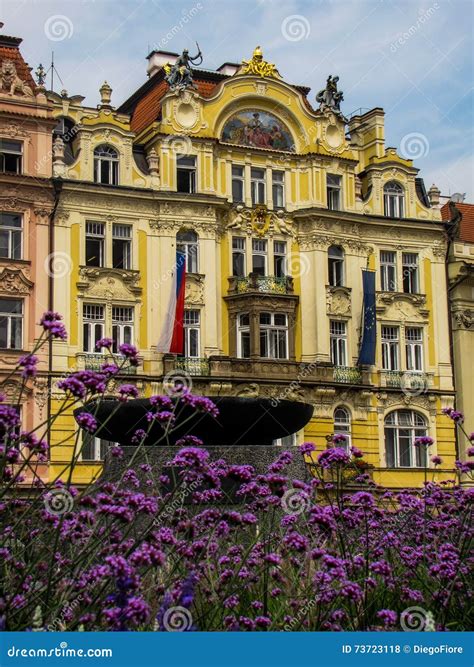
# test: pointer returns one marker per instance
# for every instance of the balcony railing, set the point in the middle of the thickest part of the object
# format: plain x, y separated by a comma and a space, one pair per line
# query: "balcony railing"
92, 361
257, 283
409, 380
198, 366
347, 374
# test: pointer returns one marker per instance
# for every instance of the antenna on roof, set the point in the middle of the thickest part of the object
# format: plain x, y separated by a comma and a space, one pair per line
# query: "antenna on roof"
53, 70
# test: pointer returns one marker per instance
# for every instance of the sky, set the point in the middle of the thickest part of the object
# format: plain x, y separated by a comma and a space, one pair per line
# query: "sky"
414, 59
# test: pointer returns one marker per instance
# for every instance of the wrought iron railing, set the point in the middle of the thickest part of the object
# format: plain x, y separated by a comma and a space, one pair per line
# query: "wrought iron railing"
94, 360
410, 380
347, 374
272, 284
193, 365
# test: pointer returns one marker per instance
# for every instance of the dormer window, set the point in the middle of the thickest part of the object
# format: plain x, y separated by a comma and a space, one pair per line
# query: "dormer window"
394, 200
11, 153
106, 165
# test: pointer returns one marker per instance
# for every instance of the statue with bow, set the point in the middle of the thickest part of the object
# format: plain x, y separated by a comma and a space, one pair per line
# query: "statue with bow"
330, 97
180, 75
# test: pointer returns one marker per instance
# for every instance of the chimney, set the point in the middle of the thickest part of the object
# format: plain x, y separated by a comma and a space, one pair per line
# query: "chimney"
157, 59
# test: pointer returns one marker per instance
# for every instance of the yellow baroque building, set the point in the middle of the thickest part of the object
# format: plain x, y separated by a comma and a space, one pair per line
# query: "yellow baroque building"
278, 205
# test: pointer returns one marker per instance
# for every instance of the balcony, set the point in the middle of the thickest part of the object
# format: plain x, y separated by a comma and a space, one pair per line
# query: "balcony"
348, 374
410, 381
261, 284
92, 361
195, 366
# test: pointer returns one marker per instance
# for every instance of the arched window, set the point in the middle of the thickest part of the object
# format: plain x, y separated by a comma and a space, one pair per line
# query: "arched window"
401, 429
106, 165
394, 200
342, 424
187, 242
336, 265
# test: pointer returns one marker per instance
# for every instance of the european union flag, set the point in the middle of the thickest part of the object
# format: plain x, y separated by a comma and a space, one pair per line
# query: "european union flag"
369, 336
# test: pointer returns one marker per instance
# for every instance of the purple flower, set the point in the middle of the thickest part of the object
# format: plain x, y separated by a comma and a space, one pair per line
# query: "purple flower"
334, 456
51, 322
456, 416
339, 438
423, 441
191, 456
163, 417
437, 460
73, 386
28, 362
161, 402
127, 390
356, 453
191, 440
471, 437
138, 436
387, 616
307, 448
263, 622
87, 421
104, 342
130, 352
464, 466
470, 451
109, 369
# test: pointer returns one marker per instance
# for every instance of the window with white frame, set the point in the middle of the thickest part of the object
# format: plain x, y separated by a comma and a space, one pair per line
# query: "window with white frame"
121, 246
94, 448
342, 424
11, 324
259, 256
402, 427
274, 335
338, 342
186, 173
93, 326
390, 348
95, 244
414, 348
394, 200
278, 188
11, 231
192, 330
238, 256
410, 272
336, 265
122, 326
388, 271
238, 183
11, 156
334, 192
257, 186
243, 336
279, 259
106, 162
187, 242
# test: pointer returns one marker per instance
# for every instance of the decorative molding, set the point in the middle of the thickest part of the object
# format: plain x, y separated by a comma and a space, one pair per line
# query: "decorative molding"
464, 319
109, 284
194, 295
338, 300
14, 281
400, 306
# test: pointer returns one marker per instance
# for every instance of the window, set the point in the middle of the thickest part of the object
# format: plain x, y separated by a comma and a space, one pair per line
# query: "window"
10, 235
342, 424
388, 271
11, 324
238, 256
186, 173
410, 272
191, 333
279, 259
93, 448
11, 156
106, 165
257, 186
259, 257
121, 246
273, 335
93, 324
414, 348
334, 188
393, 198
401, 429
278, 189
390, 348
187, 242
243, 336
95, 244
338, 339
336, 265
122, 326
237, 183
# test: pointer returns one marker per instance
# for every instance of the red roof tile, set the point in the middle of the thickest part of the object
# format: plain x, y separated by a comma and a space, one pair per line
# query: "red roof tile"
22, 69
466, 228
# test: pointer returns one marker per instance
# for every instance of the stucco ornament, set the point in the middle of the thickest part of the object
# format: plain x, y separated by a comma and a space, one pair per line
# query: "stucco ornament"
11, 82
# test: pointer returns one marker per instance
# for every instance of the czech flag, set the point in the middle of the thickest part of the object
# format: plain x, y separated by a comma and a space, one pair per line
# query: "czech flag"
172, 335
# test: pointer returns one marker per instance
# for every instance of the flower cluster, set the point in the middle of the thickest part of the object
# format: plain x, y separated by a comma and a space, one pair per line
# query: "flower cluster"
51, 323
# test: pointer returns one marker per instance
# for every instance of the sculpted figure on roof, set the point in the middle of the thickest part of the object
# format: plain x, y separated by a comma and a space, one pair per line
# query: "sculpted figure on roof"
330, 97
180, 75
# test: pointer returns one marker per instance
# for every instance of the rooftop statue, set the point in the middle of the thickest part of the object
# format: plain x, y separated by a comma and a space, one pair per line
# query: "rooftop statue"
180, 75
330, 97
258, 66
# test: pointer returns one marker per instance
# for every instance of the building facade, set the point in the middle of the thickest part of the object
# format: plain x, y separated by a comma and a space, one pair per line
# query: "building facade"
278, 209
26, 205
